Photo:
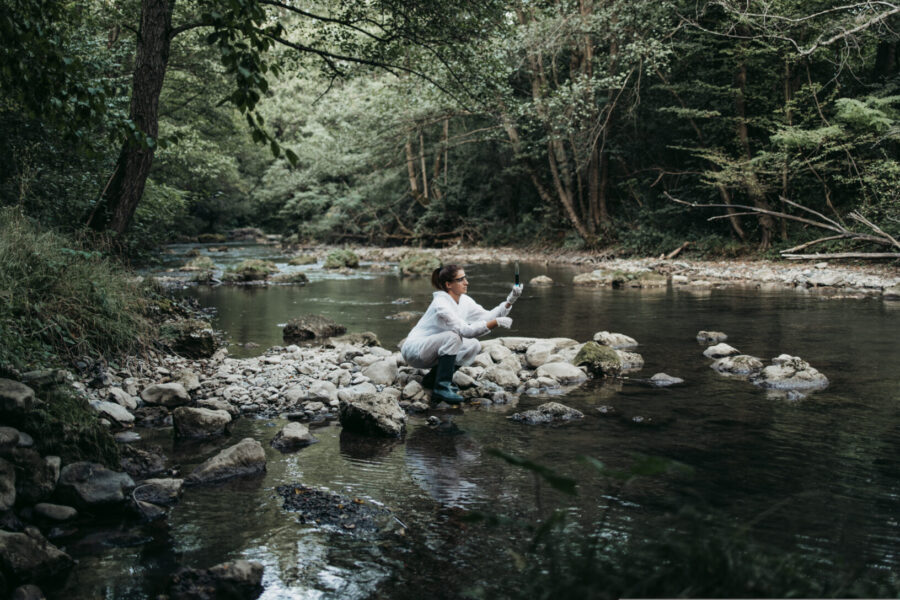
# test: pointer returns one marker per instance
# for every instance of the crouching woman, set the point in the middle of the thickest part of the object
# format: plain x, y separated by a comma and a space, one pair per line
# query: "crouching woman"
443, 339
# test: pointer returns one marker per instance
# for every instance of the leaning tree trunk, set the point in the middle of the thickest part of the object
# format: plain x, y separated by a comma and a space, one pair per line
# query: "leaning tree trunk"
126, 187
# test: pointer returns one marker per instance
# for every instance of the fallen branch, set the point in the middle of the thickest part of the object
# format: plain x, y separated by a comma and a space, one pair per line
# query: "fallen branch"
676, 251
828, 255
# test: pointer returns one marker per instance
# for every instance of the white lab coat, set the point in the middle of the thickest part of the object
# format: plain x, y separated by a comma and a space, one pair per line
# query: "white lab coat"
448, 327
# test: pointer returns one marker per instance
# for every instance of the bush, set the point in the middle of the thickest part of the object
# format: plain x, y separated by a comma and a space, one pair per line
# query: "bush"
61, 300
340, 259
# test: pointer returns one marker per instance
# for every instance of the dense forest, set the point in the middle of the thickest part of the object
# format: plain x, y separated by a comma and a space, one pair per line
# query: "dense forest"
571, 123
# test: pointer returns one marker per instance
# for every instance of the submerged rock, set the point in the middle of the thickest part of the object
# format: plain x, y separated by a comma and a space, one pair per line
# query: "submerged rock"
293, 436
711, 336
664, 380
235, 580
333, 510
373, 414
551, 412
193, 422
789, 373
540, 280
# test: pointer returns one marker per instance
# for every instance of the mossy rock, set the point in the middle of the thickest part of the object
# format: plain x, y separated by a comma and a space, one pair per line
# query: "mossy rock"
250, 270
600, 360
303, 259
639, 279
212, 238
296, 278
191, 338
310, 327
340, 259
420, 263
200, 263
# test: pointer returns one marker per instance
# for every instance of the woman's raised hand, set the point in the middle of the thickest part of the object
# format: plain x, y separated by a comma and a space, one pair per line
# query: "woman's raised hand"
515, 293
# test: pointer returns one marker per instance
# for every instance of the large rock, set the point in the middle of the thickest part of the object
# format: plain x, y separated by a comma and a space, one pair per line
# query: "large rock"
29, 557
247, 457
7, 485
720, 350
55, 512
198, 423
539, 353
354, 392
789, 373
599, 360
551, 412
161, 492
383, 372
9, 438
341, 259
502, 376
741, 364
564, 373
373, 414
92, 486
15, 397
116, 412
191, 338
36, 475
166, 394
252, 269
237, 580
323, 391
309, 327
614, 340
123, 398
540, 280
419, 263
294, 435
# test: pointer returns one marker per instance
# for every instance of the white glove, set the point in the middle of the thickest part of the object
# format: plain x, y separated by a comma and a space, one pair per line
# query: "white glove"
515, 293
504, 322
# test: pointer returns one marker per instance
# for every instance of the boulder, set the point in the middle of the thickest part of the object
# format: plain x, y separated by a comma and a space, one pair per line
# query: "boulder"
323, 391
564, 373
664, 380
237, 580
166, 394
789, 373
215, 404
414, 390
350, 394
7, 485
198, 423
247, 457
36, 475
309, 327
9, 438
341, 259
191, 338
502, 376
160, 492
295, 278
116, 412
373, 414
551, 412
30, 557
419, 263
55, 512
630, 360
720, 350
15, 397
29, 591
292, 436
92, 486
614, 340
711, 336
540, 280
188, 379
252, 269
741, 364
382, 372
539, 353
461, 379
303, 259
599, 360
122, 398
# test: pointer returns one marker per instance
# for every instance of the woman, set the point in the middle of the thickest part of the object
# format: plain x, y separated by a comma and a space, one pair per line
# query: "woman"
444, 336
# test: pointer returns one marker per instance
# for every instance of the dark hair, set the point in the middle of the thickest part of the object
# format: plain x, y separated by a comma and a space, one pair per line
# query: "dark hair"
441, 276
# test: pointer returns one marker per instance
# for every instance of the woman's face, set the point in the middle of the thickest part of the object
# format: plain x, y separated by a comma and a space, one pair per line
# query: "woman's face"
459, 284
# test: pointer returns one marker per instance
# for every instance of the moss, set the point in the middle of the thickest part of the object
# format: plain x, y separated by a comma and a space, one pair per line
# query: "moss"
298, 278
340, 259
212, 238
303, 259
200, 263
66, 426
599, 359
420, 263
250, 270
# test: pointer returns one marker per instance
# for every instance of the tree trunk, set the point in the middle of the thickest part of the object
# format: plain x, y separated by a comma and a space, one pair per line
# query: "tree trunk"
754, 189
124, 192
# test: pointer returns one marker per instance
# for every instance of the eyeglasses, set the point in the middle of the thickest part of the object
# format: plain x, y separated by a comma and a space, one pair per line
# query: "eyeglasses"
460, 279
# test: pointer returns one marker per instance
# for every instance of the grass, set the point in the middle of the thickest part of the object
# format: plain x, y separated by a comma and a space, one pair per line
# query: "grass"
60, 300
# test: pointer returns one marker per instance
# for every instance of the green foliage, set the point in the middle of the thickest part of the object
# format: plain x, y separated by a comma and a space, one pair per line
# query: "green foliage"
66, 426
250, 270
61, 299
340, 259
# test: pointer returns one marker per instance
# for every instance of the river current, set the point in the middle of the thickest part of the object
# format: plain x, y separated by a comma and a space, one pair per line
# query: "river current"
818, 475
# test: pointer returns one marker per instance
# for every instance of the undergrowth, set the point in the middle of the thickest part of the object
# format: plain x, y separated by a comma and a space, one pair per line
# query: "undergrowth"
61, 299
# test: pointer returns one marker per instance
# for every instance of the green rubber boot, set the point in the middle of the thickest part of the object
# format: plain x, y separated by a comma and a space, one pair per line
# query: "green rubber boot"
444, 388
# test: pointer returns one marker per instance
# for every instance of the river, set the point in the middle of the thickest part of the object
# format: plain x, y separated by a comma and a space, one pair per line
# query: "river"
816, 475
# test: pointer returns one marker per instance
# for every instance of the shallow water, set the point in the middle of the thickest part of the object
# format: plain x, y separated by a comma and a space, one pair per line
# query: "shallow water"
817, 475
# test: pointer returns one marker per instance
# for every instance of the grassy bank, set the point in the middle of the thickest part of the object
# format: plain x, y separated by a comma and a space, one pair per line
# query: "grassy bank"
62, 300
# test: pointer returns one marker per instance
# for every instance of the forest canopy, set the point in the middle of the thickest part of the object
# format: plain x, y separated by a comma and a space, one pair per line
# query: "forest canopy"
640, 125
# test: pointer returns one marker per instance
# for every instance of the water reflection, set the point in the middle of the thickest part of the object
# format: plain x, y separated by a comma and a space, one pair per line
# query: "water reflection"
438, 459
